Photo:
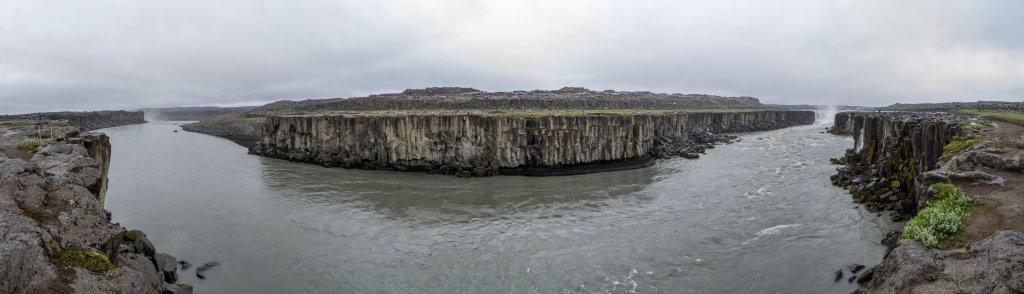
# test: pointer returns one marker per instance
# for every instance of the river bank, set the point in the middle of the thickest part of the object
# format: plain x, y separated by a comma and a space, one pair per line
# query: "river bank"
900, 162
56, 235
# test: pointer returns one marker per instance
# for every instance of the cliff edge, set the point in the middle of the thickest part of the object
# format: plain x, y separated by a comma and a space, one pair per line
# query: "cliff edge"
55, 236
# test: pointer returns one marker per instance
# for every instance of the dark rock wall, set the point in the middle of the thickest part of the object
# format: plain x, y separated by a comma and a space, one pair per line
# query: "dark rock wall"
483, 144
90, 120
890, 151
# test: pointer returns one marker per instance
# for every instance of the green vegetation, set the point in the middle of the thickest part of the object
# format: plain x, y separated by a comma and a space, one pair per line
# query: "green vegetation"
978, 126
88, 259
943, 217
1011, 116
30, 144
1020, 143
959, 144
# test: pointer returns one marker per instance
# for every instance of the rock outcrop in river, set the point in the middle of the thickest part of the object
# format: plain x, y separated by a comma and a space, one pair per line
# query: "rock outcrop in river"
491, 144
891, 150
88, 120
55, 236
239, 128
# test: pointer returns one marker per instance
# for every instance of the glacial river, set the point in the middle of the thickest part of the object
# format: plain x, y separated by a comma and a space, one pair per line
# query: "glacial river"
757, 216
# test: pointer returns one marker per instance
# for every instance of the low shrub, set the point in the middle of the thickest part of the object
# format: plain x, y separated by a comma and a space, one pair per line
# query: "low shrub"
30, 144
942, 218
1020, 143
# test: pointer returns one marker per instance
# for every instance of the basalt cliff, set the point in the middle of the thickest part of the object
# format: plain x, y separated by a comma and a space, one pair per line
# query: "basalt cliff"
88, 120
55, 236
492, 144
244, 127
891, 151
901, 161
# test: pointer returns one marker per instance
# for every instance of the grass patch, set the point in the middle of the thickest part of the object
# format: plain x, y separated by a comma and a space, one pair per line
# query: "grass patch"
88, 259
980, 125
943, 217
1019, 143
30, 144
1010, 116
959, 144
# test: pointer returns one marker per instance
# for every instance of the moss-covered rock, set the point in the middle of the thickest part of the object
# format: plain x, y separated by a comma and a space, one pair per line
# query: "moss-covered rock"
88, 259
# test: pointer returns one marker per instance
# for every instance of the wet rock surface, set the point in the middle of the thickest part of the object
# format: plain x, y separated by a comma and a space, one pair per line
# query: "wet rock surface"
53, 203
485, 145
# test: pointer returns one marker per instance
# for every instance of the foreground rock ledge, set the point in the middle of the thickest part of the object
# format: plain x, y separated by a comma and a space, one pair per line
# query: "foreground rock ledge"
51, 207
992, 265
487, 145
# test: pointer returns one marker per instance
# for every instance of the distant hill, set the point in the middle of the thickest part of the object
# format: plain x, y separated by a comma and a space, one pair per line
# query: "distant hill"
193, 113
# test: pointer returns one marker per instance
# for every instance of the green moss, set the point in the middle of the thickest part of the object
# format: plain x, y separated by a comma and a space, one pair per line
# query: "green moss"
30, 144
894, 185
943, 217
959, 144
88, 259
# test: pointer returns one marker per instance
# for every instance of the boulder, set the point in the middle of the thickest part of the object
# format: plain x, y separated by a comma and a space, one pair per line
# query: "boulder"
168, 266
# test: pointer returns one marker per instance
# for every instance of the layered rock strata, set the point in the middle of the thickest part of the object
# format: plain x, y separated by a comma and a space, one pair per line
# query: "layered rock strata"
485, 145
890, 151
88, 120
55, 236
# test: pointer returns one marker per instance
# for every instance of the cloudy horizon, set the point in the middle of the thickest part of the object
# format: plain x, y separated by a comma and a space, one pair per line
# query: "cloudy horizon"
127, 55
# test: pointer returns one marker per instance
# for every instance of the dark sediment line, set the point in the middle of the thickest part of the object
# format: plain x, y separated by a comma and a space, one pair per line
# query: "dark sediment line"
579, 169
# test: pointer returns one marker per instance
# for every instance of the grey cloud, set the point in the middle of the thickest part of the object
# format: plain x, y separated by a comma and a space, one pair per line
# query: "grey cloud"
122, 55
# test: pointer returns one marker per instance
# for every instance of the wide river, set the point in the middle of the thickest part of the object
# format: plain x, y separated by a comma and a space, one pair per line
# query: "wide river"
757, 216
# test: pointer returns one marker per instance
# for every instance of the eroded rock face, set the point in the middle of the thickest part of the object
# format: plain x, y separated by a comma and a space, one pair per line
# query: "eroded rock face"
52, 203
482, 145
890, 151
992, 265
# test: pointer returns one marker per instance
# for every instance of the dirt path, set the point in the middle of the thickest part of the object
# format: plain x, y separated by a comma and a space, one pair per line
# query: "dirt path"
1001, 207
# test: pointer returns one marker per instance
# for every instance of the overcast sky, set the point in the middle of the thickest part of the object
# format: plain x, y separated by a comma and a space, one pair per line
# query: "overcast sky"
98, 54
